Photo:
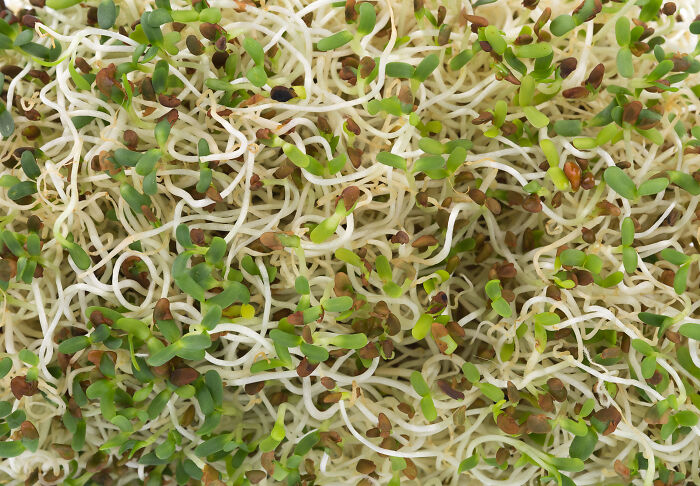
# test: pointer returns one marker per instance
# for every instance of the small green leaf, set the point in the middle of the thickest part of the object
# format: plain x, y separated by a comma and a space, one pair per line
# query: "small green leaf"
493, 289
106, 14
254, 50
427, 406
533, 51
624, 62
494, 38
680, 281
469, 463
535, 117
350, 341
642, 346
691, 331
567, 128
562, 25
334, 41
419, 384
367, 18
491, 392
502, 307
627, 231
338, 304
399, 70
674, 256
257, 76
620, 182
622, 31
653, 186
572, 258
471, 372
583, 446
392, 160
686, 418
74, 344
629, 259
11, 448
648, 367
29, 165
21, 189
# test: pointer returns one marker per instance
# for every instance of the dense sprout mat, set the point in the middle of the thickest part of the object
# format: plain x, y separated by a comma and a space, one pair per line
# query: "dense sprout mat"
349, 243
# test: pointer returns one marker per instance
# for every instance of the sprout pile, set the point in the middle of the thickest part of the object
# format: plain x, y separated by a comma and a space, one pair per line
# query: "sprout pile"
349, 242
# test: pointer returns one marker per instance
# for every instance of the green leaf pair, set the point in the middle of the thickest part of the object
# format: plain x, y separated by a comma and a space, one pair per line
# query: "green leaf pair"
622, 184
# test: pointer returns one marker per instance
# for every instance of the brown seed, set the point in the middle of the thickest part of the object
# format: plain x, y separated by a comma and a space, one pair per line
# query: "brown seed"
522, 40
584, 277
512, 392
183, 376
187, 416
105, 80
349, 196
370, 351
131, 139
588, 235
507, 424
282, 93
255, 476
538, 424
553, 292
269, 239
425, 241
447, 389
220, 44
213, 194
296, 318
620, 468
573, 173
98, 318
557, 389
606, 207
41, 75
588, 181
210, 31
575, 93
169, 101
197, 236
530, 4
631, 111
305, 368
532, 204
596, 76
328, 383
406, 408
510, 239
493, 205
161, 311
477, 196
669, 8
476, 21
545, 402
254, 388
610, 415
444, 35
20, 387
507, 270
28, 431
484, 117
352, 126
11, 70
367, 65
365, 466
401, 237
332, 397
384, 425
